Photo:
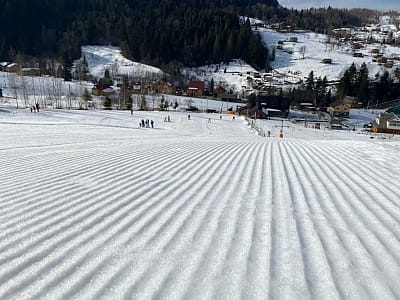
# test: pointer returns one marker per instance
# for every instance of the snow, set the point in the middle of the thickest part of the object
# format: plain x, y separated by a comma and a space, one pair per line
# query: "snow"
100, 58
94, 207
294, 66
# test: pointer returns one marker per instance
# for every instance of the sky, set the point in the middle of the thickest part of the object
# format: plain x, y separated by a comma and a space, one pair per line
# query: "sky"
373, 4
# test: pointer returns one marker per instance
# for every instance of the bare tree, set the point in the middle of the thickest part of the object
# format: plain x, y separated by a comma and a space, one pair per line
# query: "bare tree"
302, 50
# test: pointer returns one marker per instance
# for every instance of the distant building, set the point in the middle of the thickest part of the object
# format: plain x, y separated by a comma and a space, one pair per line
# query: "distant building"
195, 88
164, 86
275, 105
339, 109
136, 87
102, 89
12, 67
30, 72
386, 123
227, 97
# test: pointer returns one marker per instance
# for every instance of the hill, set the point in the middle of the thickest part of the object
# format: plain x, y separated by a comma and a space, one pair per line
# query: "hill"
155, 32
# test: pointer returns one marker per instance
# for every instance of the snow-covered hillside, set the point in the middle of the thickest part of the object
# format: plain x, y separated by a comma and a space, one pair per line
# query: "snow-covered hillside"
100, 58
94, 207
290, 62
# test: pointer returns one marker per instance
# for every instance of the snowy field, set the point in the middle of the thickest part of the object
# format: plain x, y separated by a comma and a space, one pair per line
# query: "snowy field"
94, 207
317, 47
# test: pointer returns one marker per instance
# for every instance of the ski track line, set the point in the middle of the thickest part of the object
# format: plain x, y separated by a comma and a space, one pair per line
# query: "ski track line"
236, 261
142, 225
318, 210
362, 251
329, 243
288, 277
72, 188
385, 181
96, 169
377, 210
318, 274
82, 261
93, 176
216, 237
162, 245
167, 290
256, 281
381, 241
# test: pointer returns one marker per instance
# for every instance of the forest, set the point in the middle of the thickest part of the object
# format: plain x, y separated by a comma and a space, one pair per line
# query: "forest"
155, 32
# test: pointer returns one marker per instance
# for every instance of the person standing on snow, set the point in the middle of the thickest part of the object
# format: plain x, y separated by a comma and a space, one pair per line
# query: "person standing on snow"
152, 123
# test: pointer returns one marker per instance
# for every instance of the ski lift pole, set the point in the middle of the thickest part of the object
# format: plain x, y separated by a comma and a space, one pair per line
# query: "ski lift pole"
281, 129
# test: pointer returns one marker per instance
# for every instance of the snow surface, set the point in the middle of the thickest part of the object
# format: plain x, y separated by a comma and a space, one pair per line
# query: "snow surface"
100, 58
94, 207
317, 49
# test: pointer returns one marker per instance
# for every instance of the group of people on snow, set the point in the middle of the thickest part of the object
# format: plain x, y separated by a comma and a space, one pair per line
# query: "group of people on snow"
35, 107
146, 124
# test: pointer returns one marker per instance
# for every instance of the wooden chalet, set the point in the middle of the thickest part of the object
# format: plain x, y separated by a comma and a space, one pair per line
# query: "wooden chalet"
339, 109
195, 88
164, 86
102, 89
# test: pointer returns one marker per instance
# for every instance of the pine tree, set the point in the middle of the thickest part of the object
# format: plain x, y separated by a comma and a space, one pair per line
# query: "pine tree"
310, 84
363, 84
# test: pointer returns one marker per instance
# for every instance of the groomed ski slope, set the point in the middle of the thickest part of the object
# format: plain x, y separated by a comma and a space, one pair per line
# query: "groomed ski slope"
94, 207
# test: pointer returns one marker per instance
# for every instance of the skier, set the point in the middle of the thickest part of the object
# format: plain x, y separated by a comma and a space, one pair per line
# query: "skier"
188, 117
37, 106
152, 123
143, 125
169, 119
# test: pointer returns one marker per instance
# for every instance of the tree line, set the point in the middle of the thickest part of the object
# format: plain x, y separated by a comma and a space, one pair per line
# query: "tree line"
157, 32
355, 82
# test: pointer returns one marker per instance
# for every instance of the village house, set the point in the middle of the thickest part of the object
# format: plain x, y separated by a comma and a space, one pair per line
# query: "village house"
29, 72
228, 97
339, 109
386, 123
219, 90
195, 88
12, 67
102, 89
164, 86
136, 87
3, 66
